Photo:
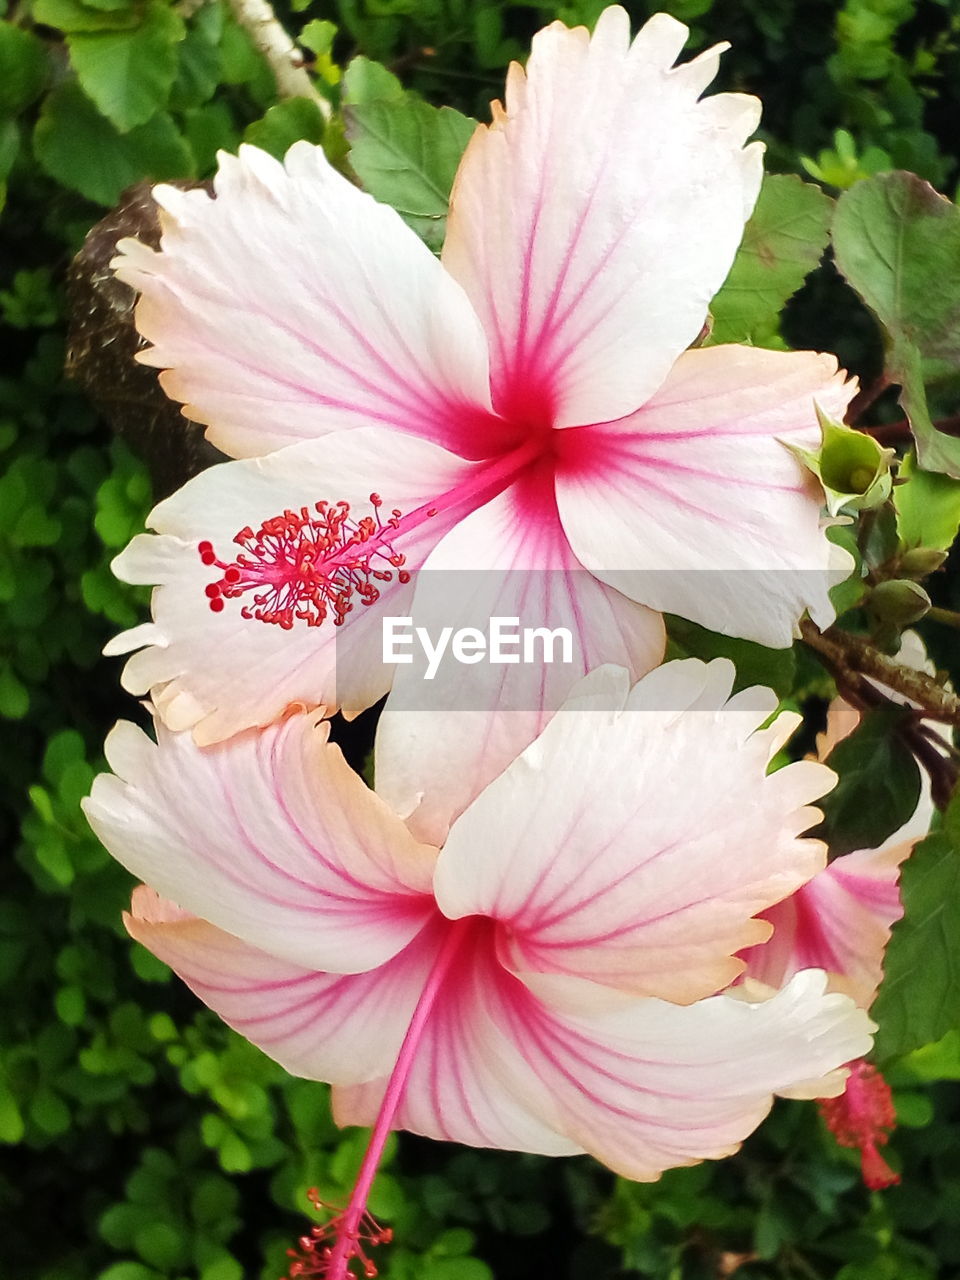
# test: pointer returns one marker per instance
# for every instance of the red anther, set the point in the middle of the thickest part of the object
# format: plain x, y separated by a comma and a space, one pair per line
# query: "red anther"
307, 565
327, 1252
860, 1118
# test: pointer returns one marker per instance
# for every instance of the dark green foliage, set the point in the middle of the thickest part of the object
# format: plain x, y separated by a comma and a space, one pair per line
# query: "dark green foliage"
879, 783
141, 1140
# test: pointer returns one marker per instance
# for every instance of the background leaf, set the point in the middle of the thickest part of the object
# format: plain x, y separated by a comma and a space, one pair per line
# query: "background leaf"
898, 244
919, 1000
879, 784
406, 154
782, 243
77, 146
129, 74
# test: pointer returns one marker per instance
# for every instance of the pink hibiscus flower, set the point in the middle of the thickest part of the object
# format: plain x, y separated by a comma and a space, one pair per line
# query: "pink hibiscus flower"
547, 980
526, 405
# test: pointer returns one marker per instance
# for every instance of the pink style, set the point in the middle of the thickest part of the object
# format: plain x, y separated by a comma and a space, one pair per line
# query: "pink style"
553, 978
530, 402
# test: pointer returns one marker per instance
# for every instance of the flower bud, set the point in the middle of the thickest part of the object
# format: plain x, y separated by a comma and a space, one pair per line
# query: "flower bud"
898, 601
919, 561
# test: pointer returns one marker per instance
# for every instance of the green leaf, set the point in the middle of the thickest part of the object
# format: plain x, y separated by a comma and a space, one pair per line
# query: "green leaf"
71, 16
406, 154
782, 243
898, 244
927, 506
756, 665
129, 74
879, 784
919, 1000
23, 68
286, 123
78, 147
366, 81
198, 66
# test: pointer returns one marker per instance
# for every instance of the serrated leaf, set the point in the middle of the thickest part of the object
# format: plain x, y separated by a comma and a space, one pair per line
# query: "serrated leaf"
879, 784
128, 75
367, 81
81, 149
919, 999
897, 242
782, 243
23, 68
406, 154
927, 506
286, 123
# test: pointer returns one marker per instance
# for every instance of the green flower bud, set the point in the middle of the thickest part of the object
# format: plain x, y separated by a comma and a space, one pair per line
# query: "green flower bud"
898, 601
919, 561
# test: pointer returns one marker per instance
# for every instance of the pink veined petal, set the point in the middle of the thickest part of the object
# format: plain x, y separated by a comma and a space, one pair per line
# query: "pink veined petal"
456, 1090
439, 743
293, 304
219, 673
606, 200
840, 922
694, 504
561, 1065
271, 837
341, 1028
601, 860
645, 1085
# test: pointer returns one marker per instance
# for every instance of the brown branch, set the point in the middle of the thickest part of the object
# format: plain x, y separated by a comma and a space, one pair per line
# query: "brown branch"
853, 659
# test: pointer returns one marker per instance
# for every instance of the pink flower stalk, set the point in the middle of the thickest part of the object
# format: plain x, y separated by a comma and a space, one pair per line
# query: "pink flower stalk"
527, 403
548, 979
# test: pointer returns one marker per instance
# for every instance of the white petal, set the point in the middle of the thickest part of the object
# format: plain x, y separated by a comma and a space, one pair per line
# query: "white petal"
694, 505
440, 742
271, 837
635, 849
592, 223
293, 304
341, 1028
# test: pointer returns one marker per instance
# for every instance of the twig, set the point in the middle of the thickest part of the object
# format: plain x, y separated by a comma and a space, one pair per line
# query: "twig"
854, 659
864, 398
284, 59
851, 660
947, 617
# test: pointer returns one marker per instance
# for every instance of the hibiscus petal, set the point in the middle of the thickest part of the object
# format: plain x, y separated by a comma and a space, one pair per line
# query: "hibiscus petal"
455, 1091
637, 853
560, 1065
221, 673
439, 743
293, 304
334, 1027
645, 1086
840, 922
605, 201
271, 837
695, 506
